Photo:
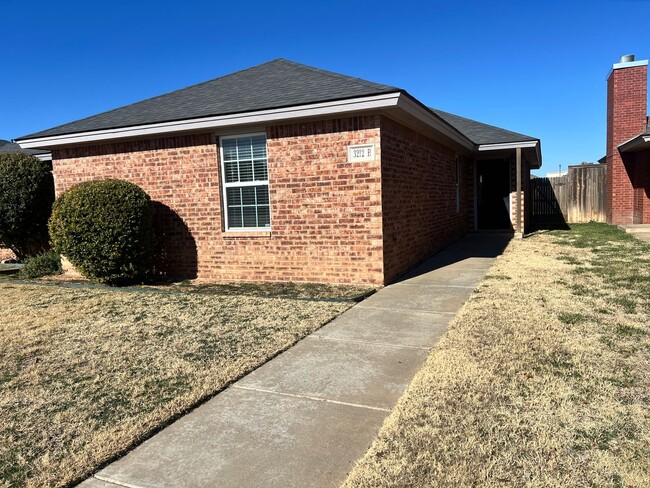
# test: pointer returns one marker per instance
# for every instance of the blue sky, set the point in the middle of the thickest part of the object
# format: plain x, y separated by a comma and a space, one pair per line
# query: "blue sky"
536, 67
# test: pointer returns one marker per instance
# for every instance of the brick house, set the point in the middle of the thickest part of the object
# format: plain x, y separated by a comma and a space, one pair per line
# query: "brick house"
628, 143
287, 172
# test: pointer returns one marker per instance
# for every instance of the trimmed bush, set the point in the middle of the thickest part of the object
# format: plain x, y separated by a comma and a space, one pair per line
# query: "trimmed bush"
46, 264
26, 197
105, 229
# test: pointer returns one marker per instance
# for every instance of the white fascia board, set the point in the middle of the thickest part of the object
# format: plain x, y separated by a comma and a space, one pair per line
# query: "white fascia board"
416, 110
631, 64
389, 100
507, 145
44, 157
515, 145
635, 143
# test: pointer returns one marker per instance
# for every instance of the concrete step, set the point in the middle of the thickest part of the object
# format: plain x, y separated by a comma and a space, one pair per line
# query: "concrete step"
635, 228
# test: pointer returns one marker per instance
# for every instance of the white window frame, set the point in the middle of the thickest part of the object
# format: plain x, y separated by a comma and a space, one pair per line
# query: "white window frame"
240, 184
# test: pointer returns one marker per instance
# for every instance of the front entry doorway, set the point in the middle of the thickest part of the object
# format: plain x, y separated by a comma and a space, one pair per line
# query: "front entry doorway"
493, 194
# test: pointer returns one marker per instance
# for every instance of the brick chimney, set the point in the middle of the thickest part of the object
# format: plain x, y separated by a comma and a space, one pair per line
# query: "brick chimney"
627, 95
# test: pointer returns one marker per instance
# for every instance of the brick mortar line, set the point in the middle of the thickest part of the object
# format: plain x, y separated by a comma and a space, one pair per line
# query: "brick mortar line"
307, 397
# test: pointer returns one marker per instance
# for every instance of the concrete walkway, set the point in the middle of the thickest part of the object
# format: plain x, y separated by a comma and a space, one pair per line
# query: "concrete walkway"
305, 417
640, 231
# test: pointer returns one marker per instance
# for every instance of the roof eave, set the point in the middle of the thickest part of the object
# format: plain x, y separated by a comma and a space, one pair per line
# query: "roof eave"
414, 107
46, 156
398, 100
535, 145
637, 143
387, 101
334, 107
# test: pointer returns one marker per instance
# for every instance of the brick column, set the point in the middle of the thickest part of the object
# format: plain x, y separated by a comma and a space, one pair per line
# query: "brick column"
626, 118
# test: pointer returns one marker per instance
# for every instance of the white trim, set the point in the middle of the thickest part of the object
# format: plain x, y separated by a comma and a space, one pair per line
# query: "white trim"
631, 64
389, 100
239, 184
515, 145
507, 145
44, 157
636, 142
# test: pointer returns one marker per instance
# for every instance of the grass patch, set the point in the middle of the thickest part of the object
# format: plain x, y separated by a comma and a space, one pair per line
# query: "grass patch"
87, 373
497, 277
541, 380
571, 318
281, 289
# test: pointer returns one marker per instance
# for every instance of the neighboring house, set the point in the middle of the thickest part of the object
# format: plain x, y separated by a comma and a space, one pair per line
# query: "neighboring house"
628, 143
12, 147
287, 172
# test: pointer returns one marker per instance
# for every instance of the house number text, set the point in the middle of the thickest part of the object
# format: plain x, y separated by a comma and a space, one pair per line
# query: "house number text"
365, 152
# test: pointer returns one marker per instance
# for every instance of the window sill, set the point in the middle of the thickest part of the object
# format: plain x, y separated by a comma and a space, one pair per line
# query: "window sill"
234, 234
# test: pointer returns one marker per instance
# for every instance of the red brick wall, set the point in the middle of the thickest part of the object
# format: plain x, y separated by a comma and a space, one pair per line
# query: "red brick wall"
419, 197
642, 187
626, 118
325, 212
181, 176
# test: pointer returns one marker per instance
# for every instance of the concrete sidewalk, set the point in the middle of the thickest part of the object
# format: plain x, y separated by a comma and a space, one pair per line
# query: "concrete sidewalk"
305, 417
640, 231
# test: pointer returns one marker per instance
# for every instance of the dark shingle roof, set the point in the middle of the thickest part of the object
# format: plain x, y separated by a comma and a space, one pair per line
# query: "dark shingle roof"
278, 83
480, 133
8, 146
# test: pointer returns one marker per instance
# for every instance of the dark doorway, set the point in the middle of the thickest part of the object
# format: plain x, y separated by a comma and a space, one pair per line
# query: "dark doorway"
493, 194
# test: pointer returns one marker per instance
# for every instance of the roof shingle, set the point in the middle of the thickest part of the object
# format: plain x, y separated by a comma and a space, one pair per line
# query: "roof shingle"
480, 133
278, 83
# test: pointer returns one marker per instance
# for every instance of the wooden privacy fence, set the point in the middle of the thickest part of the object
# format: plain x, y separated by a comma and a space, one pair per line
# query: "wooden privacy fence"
578, 196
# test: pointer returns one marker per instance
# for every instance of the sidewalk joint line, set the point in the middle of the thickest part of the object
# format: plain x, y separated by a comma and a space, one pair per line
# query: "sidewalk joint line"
306, 397
363, 305
107, 479
446, 268
352, 341
433, 285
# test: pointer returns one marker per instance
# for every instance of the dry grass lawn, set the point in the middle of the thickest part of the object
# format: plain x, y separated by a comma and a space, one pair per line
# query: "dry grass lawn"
86, 373
543, 379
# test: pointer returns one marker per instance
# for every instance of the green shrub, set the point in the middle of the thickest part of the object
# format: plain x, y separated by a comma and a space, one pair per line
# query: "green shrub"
46, 264
105, 229
26, 197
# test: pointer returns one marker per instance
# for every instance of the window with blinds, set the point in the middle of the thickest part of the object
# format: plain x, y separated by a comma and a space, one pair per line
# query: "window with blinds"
245, 182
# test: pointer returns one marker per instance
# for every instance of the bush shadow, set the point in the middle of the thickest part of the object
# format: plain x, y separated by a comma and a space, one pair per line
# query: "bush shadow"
175, 255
